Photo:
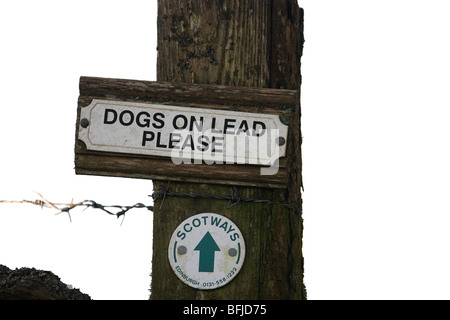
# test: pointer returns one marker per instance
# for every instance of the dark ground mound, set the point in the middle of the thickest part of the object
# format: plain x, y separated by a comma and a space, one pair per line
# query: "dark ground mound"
32, 284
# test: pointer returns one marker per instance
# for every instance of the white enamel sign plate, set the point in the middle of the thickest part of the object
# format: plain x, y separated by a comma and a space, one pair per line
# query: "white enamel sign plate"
213, 136
206, 251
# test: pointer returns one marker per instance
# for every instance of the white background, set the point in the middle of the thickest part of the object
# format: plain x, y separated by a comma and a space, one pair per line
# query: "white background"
375, 105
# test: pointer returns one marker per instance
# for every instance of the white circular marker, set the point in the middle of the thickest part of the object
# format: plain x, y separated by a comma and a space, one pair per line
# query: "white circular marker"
206, 251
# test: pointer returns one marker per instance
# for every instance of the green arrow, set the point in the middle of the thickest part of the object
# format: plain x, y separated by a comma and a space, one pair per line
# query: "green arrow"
207, 247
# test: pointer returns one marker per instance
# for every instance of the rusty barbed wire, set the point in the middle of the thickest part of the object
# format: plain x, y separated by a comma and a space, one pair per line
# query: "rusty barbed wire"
66, 207
233, 199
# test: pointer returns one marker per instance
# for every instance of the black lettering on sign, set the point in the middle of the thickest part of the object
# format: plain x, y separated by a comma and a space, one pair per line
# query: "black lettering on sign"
213, 127
180, 122
216, 144
189, 142
257, 132
108, 112
198, 125
158, 118
243, 128
172, 140
147, 137
158, 141
229, 124
204, 141
143, 122
122, 118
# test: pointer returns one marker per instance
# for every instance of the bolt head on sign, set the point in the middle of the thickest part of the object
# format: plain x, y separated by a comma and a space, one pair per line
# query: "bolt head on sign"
206, 251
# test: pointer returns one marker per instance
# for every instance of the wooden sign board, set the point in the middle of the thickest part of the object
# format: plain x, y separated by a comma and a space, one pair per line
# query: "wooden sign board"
193, 133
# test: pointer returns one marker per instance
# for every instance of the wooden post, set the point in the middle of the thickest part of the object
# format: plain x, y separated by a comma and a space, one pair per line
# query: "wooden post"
254, 43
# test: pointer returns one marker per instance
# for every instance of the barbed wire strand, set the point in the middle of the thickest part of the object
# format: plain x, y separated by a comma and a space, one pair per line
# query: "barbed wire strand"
233, 198
66, 207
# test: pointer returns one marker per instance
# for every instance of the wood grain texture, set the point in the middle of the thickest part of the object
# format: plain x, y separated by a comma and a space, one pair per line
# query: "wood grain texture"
191, 93
214, 42
252, 43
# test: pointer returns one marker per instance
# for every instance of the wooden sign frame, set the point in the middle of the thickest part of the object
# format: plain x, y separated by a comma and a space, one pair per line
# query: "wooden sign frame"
240, 99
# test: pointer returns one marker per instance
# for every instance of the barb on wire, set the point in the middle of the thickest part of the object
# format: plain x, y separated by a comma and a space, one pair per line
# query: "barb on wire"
233, 199
66, 207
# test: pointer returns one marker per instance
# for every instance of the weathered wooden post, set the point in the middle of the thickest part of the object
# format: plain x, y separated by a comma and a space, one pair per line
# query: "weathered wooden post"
236, 43
219, 135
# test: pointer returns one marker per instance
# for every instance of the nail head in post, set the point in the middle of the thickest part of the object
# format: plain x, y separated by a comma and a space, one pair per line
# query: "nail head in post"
281, 141
232, 252
283, 120
182, 250
84, 123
